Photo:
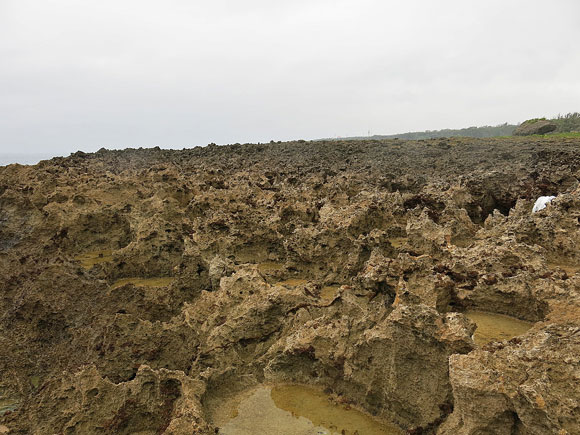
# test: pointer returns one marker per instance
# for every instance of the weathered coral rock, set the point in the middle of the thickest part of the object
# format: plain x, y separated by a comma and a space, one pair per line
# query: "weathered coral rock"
398, 359
522, 388
84, 402
344, 265
541, 126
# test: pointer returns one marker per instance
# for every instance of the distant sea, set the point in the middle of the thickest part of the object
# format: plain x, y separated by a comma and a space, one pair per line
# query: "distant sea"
22, 158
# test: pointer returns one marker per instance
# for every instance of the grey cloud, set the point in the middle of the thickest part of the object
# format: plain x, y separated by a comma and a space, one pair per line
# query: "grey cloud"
82, 75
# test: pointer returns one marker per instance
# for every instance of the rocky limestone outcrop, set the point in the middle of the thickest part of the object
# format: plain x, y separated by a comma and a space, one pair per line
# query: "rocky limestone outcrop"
541, 126
344, 265
521, 388
153, 402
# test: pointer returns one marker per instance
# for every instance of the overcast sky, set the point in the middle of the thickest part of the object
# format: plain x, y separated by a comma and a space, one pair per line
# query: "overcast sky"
179, 73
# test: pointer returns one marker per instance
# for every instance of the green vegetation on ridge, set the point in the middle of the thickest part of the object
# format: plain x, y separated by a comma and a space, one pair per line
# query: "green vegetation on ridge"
569, 123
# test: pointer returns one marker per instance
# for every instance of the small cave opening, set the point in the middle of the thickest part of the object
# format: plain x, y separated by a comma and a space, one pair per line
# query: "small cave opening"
479, 210
433, 206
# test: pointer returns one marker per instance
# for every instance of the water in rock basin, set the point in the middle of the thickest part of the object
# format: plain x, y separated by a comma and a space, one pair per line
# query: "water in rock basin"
570, 269
89, 259
496, 327
294, 410
329, 292
270, 266
397, 242
293, 282
144, 282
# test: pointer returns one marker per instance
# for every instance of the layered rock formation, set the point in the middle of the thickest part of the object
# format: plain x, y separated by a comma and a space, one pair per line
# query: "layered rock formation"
343, 265
535, 126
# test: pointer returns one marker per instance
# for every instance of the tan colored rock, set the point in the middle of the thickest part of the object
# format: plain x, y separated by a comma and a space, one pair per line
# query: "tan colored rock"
374, 366
345, 265
522, 388
530, 127
84, 402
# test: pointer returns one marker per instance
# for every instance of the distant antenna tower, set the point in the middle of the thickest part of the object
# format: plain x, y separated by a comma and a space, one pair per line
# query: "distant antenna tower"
369, 133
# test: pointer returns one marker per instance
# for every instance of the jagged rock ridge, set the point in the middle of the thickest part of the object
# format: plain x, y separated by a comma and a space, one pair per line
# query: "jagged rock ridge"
344, 265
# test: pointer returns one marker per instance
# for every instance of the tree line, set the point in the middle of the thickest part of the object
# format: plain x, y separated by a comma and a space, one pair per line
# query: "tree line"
569, 122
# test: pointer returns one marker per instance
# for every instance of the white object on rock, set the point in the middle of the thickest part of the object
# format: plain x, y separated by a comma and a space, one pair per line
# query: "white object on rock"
542, 202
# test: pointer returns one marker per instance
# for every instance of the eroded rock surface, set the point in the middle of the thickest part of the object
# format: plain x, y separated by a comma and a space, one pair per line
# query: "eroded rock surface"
139, 287
541, 126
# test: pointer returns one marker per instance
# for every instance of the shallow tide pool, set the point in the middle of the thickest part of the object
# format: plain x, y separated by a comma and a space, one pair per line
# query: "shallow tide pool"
329, 292
144, 282
90, 259
496, 327
270, 266
294, 410
397, 242
292, 282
